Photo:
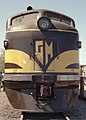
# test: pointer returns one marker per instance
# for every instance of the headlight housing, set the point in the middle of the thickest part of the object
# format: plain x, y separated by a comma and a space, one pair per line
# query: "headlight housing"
44, 23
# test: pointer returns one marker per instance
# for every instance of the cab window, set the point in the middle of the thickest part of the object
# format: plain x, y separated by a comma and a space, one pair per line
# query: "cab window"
23, 18
60, 17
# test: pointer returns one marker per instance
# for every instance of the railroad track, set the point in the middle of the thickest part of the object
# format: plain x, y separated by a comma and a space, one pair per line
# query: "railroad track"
44, 116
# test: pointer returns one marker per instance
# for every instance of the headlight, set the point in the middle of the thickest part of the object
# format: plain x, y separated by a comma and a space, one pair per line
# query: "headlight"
6, 44
44, 23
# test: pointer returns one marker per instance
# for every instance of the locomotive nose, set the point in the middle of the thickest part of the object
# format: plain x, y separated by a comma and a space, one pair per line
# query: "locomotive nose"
44, 23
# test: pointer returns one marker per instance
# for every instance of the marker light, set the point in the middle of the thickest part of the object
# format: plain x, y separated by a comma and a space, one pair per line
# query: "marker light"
44, 23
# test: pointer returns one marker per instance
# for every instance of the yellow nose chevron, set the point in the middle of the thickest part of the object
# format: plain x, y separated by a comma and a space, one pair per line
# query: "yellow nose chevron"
27, 64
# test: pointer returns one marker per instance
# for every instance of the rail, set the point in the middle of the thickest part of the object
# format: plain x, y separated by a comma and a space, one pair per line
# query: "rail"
44, 116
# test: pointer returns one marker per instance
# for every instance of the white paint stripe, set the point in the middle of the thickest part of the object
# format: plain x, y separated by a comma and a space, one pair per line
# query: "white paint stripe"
29, 77
68, 77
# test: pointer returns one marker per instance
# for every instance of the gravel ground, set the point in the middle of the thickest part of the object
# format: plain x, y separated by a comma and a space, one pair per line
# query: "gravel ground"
79, 111
7, 112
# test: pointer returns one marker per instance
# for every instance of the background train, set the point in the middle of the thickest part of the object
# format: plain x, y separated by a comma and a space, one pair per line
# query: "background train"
41, 61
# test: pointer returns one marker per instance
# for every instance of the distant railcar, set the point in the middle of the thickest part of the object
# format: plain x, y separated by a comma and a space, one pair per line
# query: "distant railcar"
41, 61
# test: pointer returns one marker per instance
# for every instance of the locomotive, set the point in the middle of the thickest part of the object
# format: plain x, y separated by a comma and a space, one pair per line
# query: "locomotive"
41, 61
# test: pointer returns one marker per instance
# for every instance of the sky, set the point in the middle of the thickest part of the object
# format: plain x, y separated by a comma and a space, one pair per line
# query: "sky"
73, 8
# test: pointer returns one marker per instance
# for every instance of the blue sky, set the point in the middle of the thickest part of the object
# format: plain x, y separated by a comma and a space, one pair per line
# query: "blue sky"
73, 8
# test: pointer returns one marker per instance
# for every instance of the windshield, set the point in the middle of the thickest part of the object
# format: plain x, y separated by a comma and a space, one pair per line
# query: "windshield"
60, 17
23, 18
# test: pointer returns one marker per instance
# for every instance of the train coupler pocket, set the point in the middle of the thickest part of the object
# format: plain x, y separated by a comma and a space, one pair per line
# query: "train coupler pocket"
44, 91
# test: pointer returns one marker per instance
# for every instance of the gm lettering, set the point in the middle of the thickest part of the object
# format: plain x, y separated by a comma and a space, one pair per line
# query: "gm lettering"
45, 51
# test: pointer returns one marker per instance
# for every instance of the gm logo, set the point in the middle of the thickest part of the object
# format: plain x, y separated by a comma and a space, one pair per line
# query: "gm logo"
45, 52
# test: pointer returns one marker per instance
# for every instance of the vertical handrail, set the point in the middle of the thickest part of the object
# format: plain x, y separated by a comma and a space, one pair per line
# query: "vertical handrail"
81, 87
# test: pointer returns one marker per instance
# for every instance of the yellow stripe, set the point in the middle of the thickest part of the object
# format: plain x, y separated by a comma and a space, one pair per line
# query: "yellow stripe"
65, 59
58, 30
23, 60
20, 58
